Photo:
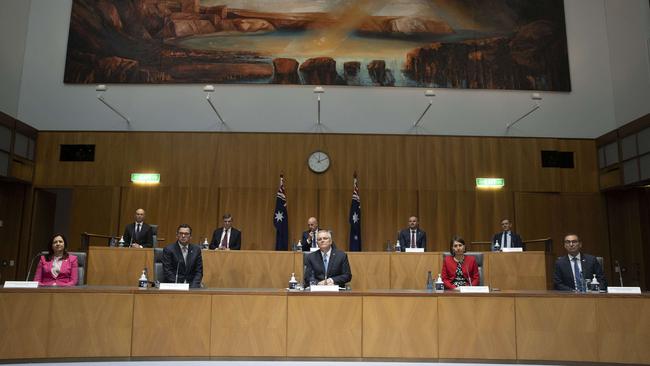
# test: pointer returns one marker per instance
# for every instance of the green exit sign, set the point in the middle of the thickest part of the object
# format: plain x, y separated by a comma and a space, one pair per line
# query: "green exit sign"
145, 178
490, 182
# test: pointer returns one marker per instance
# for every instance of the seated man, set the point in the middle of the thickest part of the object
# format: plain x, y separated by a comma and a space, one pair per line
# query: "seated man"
507, 238
182, 262
309, 235
412, 236
138, 234
328, 265
571, 269
226, 237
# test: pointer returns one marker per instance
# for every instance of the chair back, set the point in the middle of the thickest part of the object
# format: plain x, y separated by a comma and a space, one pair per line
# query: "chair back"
154, 231
478, 256
81, 269
158, 274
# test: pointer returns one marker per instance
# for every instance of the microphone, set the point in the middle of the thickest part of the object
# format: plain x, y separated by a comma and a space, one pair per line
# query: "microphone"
617, 268
469, 277
29, 270
178, 266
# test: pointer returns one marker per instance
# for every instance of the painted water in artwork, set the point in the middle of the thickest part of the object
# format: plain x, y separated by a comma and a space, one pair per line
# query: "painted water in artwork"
478, 44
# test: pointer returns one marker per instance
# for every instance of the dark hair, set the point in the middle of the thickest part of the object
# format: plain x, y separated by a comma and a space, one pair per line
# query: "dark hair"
456, 238
50, 252
227, 216
184, 226
571, 234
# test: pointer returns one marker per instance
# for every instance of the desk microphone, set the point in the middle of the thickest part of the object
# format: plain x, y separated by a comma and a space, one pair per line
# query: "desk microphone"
469, 277
29, 270
178, 266
617, 268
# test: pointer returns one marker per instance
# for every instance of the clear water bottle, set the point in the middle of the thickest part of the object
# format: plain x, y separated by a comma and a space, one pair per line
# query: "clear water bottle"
440, 286
299, 246
121, 242
205, 244
398, 248
293, 283
112, 242
143, 282
497, 247
429, 281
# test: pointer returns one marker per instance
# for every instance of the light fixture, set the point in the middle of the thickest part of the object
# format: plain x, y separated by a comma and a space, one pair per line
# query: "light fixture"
428, 93
318, 91
490, 183
537, 98
210, 89
101, 88
145, 178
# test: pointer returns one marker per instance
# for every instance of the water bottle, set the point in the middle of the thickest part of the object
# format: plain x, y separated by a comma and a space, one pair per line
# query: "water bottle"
121, 242
143, 282
429, 281
112, 242
205, 244
440, 286
293, 283
595, 285
398, 248
497, 247
299, 246
389, 247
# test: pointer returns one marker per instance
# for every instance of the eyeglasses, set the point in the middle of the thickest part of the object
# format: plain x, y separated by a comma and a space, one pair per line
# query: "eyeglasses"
184, 234
571, 241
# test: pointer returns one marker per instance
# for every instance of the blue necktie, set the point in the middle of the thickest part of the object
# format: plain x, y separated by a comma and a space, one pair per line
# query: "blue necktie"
325, 264
577, 276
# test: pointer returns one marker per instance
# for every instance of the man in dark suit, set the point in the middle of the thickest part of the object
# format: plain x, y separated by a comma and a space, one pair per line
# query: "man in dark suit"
138, 234
226, 237
571, 269
309, 235
182, 262
412, 236
328, 265
507, 238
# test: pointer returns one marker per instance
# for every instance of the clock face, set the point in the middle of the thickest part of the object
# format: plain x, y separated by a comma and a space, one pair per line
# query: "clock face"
318, 162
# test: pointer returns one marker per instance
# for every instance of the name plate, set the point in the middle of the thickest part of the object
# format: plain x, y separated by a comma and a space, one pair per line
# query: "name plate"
324, 288
474, 289
313, 249
512, 250
21, 284
175, 286
624, 290
414, 250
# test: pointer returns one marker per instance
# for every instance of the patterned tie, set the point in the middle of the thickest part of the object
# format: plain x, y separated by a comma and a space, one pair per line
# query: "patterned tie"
224, 241
184, 249
577, 277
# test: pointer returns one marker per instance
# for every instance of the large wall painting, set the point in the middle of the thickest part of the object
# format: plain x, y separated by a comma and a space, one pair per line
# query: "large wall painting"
472, 44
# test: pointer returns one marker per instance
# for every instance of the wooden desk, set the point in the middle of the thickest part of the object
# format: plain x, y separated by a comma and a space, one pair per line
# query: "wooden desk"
272, 269
97, 322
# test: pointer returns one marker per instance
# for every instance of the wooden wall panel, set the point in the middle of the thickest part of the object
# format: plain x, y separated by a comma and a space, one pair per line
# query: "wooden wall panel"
12, 196
94, 210
252, 210
301, 205
18, 339
623, 329
383, 214
333, 215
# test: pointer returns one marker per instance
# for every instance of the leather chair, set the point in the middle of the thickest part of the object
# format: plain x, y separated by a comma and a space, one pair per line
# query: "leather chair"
158, 274
478, 256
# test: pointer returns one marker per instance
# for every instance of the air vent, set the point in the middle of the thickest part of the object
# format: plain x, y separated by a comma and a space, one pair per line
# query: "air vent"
557, 159
77, 153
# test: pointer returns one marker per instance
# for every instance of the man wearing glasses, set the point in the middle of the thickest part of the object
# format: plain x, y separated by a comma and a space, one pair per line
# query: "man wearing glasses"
182, 261
573, 268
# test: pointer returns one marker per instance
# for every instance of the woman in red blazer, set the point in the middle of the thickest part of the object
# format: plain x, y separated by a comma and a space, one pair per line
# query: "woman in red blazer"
57, 268
459, 269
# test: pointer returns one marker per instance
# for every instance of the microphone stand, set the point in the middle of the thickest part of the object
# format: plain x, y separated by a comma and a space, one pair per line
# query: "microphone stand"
29, 270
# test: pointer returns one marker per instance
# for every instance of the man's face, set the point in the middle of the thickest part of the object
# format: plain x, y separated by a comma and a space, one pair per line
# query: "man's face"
413, 222
227, 223
312, 224
506, 225
324, 241
572, 244
139, 215
183, 235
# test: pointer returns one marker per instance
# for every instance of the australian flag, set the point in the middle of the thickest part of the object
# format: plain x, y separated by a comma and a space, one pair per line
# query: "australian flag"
281, 219
355, 219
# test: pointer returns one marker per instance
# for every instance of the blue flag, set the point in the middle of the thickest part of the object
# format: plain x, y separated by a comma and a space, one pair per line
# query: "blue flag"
281, 219
355, 219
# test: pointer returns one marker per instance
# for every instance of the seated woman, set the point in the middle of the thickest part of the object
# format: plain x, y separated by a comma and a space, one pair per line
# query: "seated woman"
458, 269
57, 268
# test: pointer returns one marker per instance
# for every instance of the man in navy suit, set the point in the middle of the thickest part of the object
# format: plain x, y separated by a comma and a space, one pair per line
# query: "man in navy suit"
328, 265
507, 238
182, 262
412, 236
138, 234
226, 237
309, 235
571, 269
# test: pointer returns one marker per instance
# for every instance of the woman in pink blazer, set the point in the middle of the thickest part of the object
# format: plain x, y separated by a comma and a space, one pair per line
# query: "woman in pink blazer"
57, 268
459, 270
